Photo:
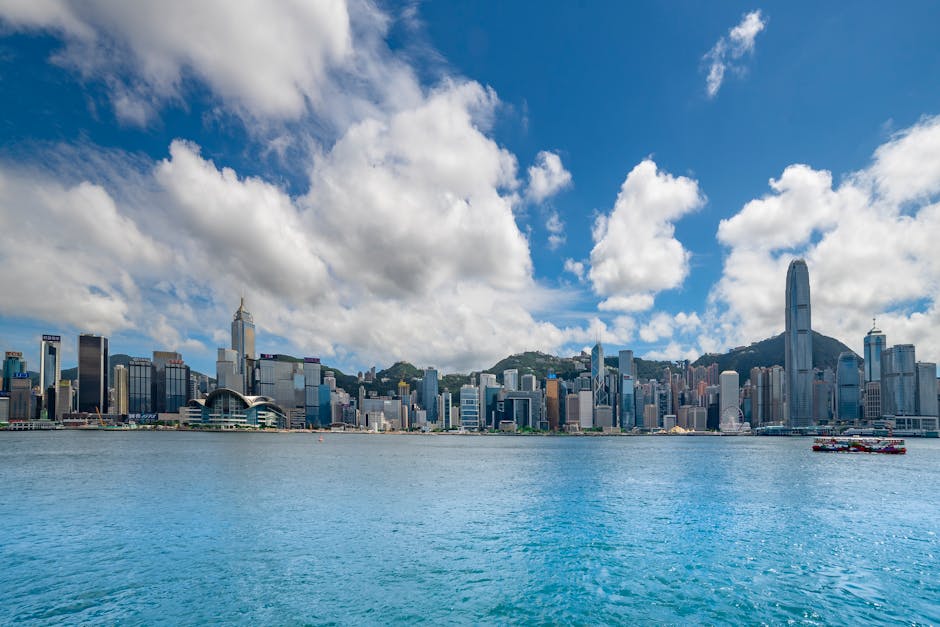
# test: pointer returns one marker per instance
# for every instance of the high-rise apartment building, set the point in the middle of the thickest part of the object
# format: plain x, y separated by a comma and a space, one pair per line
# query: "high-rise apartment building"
93, 369
121, 390
798, 341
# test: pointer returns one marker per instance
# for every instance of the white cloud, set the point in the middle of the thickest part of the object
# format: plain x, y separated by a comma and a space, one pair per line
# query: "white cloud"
405, 244
727, 51
556, 230
635, 254
263, 60
576, 268
869, 243
907, 168
69, 254
547, 177
663, 326
633, 302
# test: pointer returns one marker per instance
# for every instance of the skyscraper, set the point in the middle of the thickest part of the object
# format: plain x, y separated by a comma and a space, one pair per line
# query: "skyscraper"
429, 394
469, 407
511, 379
728, 396
898, 385
312, 391
50, 366
243, 341
598, 375
926, 389
121, 390
552, 401
227, 374
528, 383
487, 381
798, 341
92, 373
875, 343
848, 395
140, 386
13, 364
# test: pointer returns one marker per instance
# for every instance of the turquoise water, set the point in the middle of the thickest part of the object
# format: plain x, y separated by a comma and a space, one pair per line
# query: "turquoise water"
194, 528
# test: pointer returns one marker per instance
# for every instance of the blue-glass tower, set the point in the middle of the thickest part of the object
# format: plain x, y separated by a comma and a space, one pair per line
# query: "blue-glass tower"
598, 375
875, 343
848, 395
798, 341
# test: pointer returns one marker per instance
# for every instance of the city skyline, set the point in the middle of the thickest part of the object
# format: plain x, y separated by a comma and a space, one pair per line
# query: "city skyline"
396, 185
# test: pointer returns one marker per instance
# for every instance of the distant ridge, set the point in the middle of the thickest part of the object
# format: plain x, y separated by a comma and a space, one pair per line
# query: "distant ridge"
771, 352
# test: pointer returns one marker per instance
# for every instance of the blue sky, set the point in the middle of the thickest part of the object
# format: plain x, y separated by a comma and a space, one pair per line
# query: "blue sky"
450, 182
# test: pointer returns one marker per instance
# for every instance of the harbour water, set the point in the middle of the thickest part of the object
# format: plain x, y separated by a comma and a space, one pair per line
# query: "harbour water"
195, 528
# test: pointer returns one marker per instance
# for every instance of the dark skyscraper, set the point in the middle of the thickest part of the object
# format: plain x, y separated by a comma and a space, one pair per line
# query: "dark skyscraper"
429, 394
799, 346
92, 373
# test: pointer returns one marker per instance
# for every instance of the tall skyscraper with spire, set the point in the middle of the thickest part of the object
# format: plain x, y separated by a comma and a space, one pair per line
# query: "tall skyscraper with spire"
243, 340
798, 340
598, 375
875, 343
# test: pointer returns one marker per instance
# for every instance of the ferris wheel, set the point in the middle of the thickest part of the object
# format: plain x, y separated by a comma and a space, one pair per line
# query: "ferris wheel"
732, 421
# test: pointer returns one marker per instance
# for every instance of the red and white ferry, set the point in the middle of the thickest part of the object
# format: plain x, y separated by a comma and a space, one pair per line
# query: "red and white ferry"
855, 444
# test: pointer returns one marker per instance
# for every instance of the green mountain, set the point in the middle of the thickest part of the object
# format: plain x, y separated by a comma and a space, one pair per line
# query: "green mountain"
539, 364
400, 371
770, 352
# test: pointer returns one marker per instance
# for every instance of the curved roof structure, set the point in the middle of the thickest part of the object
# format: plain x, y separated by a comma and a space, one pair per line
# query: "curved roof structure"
248, 401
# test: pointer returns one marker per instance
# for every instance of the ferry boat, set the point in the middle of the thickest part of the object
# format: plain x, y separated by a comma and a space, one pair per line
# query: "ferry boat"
890, 446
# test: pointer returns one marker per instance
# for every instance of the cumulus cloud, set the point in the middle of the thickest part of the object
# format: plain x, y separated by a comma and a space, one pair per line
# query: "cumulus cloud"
404, 243
556, 230
404, 246
576, 268
869, 242
263, 60
728, 51
547, 177
93, 286
635, 253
